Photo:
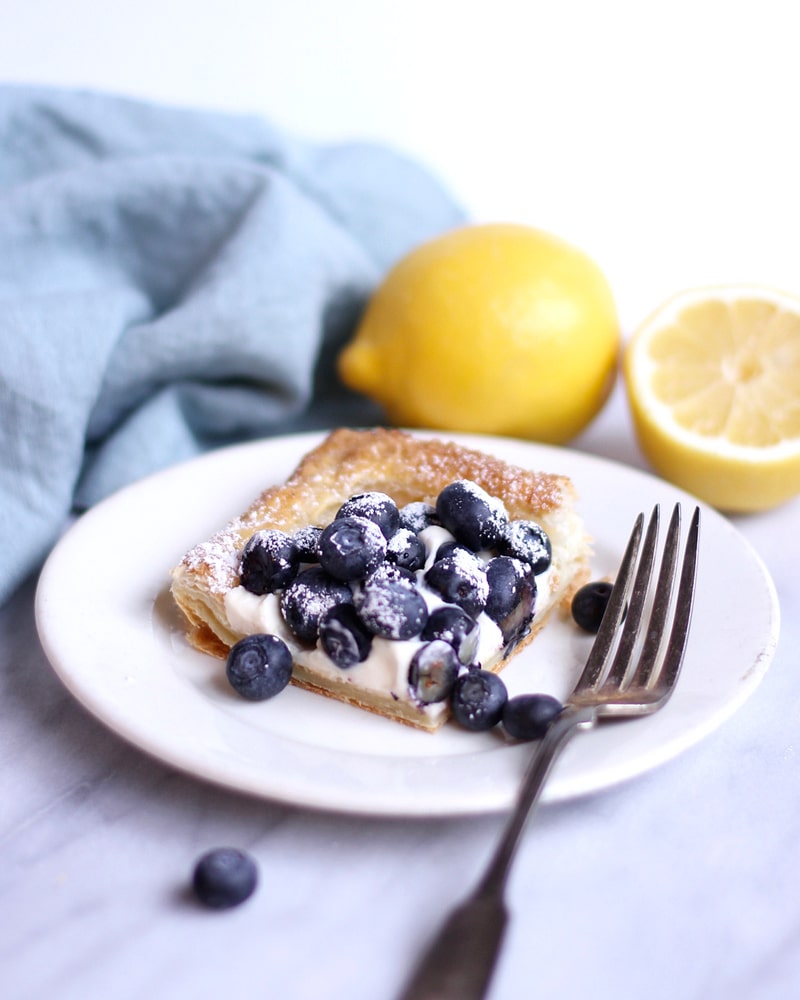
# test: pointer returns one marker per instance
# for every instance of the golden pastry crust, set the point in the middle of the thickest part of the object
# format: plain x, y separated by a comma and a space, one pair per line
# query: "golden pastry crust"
406, 467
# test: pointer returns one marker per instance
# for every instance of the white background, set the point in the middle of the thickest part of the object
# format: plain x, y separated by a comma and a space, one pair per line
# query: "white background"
662, 138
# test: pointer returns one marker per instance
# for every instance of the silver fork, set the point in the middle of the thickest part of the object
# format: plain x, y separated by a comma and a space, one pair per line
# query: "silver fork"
631, 671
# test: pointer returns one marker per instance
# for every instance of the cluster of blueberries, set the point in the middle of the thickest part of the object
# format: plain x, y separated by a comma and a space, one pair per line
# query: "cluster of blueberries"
358, 578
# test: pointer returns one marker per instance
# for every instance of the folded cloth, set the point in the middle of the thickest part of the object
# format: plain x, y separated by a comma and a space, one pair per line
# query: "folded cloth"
173, 280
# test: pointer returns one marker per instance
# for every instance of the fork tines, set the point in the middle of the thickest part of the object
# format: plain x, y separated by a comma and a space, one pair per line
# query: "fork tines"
636, 650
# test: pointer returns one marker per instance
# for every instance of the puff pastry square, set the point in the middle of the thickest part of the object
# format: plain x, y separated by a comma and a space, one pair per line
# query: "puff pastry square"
409, 468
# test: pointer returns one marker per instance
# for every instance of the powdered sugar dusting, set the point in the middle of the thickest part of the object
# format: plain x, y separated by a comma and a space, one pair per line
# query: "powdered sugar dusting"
460, 569
470, 568
308, 597
498, 515
217, 559
391, 606
417, 516
368, 504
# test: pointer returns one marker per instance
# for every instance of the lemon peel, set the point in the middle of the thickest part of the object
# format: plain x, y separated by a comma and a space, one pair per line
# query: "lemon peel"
495, 328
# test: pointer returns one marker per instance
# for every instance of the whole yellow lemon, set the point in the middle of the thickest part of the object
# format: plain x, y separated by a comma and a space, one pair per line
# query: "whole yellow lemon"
495, 329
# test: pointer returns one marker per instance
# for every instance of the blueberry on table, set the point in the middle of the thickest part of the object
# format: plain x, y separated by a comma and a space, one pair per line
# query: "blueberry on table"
528, 541
459, 578
433, 671
471, 515
344, 637
224, 877
406, 549
478, 699
390, 605
259, 666
308, 597
351, 547
270, 561
374, 506
528, 716
589, 605
453, 625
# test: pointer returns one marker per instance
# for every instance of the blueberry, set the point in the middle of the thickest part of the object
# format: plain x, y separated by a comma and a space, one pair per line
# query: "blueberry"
224, 877
517, 625
448, 547
528, 716
270, 561
433, 671
529, 542
455, 626
589, 604
391, 571
307, 540
459, 578
512, 597
344, 637
417, 516
478, 699
471, 515
308, 597
351, 547
506, 579
259, 666
375, 506
390, 605
406, 549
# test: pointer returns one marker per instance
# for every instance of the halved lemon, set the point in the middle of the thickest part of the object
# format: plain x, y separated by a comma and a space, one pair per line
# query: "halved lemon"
713, 381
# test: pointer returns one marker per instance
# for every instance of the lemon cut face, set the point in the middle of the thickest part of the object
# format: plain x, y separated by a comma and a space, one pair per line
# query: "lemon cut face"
713, 379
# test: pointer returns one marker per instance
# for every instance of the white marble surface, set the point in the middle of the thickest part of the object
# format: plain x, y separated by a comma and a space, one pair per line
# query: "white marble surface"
682, 883
661, 140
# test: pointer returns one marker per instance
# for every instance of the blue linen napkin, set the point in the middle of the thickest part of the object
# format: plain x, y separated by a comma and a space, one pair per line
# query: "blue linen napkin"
173, 280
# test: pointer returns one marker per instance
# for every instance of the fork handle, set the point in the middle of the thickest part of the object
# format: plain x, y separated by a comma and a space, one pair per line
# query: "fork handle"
459, 962
547, 751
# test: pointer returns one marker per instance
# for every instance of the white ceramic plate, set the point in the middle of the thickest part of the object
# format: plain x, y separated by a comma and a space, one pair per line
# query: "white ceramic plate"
108, 626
